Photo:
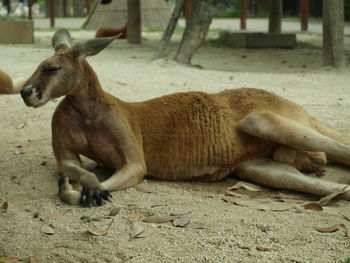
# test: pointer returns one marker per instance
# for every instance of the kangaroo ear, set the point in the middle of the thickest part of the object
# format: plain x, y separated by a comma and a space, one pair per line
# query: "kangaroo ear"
91, 47
61, 39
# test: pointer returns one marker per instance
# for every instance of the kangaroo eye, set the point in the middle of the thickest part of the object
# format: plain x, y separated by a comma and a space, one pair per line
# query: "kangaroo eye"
52, 68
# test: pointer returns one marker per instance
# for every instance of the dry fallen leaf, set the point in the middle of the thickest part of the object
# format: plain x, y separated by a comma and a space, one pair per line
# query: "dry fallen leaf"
325, 200
247, 202
345, 216
327, 229
134, 217
195, 226
47, 230
334, 229
230, 193
159, 219
99, 232
143, 189
21, 126
293, 201
8, 259
275, 206
136, 230
317, 206
34, 260
145, 233
3, 207
53, 216
252, 187
236, 186
263, 248
228, 199
22, 148
345, 230
313, 206
16, 179
248, 186
114, 211
182, 221
260, 204
157, 205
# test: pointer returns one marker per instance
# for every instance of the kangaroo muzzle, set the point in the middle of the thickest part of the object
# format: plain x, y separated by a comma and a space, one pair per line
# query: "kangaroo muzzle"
26, 91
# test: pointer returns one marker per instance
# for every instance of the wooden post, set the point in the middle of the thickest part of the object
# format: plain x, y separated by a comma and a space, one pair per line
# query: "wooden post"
275, 17
333, 33
30, 11
243, 14
255, 8
88, 6
52, 12
134, 22
187, 9
64, 6
304, 14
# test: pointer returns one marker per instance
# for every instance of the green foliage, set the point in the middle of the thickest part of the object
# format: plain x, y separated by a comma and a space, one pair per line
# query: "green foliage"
233, 13
41, 3
346, 261
347, 14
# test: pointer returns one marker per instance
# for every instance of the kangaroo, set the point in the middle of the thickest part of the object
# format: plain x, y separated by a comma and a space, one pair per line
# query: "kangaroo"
107, 31
7, 86
259, 136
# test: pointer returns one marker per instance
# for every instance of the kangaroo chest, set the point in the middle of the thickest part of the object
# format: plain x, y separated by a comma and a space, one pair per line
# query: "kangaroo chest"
101, 143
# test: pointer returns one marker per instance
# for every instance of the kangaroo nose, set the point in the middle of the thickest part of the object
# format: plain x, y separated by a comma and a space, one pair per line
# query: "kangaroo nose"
26, 91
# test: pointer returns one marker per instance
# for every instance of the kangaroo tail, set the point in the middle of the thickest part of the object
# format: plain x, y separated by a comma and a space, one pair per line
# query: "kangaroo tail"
330, 131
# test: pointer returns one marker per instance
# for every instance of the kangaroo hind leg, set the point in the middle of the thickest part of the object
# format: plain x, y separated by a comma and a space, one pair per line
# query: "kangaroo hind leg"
283, 176
273, 127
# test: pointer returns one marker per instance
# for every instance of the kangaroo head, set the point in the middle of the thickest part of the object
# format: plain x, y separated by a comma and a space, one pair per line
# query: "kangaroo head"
62, 73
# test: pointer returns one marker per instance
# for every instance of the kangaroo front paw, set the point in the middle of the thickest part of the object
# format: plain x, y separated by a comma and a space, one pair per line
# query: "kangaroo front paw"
66, 192
92, 193
94, 196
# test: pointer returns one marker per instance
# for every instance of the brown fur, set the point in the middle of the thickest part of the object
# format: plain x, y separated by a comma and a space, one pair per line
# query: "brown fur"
6, 85
9, 86
106, 31
184, 136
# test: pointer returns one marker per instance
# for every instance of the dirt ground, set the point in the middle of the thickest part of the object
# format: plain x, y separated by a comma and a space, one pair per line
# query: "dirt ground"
233, 233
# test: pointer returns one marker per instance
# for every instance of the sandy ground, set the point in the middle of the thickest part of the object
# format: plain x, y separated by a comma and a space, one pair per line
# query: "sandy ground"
233, 233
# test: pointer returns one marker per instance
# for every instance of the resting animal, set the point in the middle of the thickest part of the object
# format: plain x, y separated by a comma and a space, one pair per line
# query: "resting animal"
258, 135
7, 86
106, 31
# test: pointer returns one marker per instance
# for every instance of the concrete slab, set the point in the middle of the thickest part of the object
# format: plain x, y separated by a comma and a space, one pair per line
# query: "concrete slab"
258, 40
16, 31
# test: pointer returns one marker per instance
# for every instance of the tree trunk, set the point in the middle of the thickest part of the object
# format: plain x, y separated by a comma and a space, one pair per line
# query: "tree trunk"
196, 30
164, 42
275, 17
58, 8
134, 22
78, 8
333, 33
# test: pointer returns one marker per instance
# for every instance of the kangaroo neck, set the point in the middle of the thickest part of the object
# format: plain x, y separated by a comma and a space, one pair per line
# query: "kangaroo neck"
89, 98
